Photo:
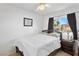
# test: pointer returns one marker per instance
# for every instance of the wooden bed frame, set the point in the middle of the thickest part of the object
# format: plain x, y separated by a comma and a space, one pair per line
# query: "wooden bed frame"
21, 52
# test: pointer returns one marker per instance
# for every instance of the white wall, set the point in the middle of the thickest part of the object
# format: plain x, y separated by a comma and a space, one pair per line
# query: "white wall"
77, 17
61, 13
11, 26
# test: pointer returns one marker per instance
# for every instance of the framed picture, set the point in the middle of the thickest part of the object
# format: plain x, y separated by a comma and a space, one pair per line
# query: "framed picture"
28, 22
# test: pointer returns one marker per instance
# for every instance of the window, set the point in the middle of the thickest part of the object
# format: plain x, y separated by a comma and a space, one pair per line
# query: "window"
61, 24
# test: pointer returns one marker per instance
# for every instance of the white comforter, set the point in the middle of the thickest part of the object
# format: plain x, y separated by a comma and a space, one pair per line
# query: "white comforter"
38, 45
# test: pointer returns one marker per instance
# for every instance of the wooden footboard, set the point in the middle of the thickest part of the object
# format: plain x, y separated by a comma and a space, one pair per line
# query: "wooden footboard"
51, 54
19, 52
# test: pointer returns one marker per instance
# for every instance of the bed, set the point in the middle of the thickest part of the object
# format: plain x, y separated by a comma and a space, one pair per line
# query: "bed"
37, 45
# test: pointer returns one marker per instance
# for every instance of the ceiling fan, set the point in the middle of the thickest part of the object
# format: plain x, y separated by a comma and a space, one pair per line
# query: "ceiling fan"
42, 6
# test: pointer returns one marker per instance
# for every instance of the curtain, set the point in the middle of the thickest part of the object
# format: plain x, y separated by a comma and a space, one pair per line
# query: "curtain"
50, 25
72, 22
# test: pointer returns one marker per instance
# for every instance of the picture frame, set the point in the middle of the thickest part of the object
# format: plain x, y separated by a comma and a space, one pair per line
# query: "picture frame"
28, 22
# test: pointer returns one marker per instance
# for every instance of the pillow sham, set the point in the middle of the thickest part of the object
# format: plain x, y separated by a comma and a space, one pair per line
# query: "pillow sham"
54, 34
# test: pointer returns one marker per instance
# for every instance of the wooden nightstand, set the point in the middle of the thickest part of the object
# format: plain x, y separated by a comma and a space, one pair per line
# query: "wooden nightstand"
67, 46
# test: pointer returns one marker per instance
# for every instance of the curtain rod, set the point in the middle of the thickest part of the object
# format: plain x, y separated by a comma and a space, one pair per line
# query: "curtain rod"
65, 14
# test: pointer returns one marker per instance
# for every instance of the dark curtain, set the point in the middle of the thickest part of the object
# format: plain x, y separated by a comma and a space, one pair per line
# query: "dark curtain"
72, 22
50, 25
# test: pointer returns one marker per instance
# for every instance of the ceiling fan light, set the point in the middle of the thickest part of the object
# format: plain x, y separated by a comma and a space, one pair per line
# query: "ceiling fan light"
41, 7
47, 5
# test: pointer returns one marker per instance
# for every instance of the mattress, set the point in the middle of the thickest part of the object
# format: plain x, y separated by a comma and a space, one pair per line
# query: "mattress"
38, 45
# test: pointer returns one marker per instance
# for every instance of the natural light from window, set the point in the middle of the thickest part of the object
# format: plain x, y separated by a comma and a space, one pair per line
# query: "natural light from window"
61, 24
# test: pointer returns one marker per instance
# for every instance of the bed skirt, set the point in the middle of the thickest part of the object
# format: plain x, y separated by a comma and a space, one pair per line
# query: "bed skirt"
21, 53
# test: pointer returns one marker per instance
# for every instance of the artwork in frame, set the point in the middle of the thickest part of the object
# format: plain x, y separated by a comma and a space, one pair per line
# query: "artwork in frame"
28, 22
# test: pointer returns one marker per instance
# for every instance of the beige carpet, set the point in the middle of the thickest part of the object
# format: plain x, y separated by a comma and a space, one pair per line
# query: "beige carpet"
60, 53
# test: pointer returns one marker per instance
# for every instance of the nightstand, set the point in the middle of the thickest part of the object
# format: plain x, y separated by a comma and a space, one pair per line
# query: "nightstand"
67, 46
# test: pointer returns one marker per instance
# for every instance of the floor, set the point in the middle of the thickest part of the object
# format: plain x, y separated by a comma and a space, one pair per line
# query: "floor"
60, 53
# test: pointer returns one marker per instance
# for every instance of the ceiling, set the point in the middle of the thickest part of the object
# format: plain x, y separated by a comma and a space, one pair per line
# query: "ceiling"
53, 7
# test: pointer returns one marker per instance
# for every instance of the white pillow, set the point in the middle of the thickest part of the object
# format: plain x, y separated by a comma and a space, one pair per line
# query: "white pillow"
67, 36
70, 36
64, 35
